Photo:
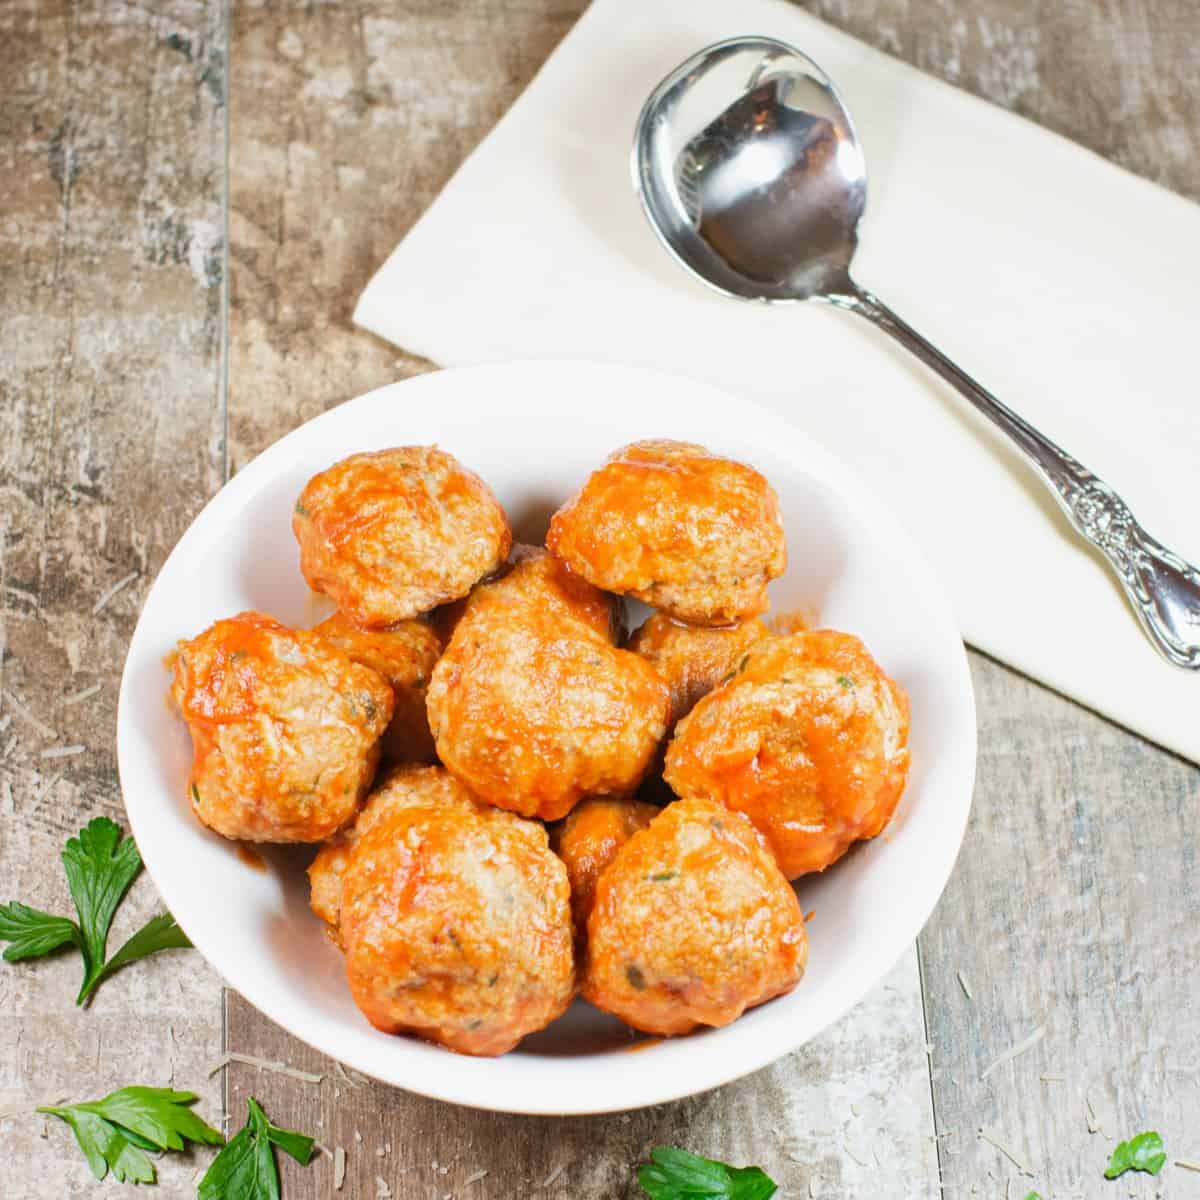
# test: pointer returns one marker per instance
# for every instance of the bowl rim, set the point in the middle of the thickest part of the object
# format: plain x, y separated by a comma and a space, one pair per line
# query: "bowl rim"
845, 484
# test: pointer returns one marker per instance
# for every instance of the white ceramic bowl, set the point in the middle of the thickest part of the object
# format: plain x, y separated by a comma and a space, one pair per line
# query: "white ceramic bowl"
534, 431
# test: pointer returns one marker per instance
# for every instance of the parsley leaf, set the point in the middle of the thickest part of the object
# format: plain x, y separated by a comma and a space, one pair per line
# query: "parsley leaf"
33, 934
1141, 1153
158, 933
1033, 1196
674, 1174
100, 864
246, 1168
114, 1133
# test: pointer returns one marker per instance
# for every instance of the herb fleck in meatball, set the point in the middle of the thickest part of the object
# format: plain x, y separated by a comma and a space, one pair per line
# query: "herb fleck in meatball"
809, 740
285, 729
405, 656
392, 534
692, 923
693, 534
454, 916
533, 706
588, 840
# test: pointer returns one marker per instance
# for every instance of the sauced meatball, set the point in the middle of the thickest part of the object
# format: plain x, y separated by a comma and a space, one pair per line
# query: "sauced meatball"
809, 740
533, 706
690, 533
692, 924
285, 729
588, 840
454, 916
391, 534
405, 656
693, 660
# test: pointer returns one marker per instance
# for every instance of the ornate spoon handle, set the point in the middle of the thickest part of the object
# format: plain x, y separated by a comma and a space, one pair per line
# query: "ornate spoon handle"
1163, 589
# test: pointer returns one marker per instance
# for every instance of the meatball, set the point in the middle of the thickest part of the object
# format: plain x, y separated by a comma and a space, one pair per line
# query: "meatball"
809, 740
692, 534
285, 729
588, 840
533, 706
394, 533
405, 656
692, 924
454, 916
693, 660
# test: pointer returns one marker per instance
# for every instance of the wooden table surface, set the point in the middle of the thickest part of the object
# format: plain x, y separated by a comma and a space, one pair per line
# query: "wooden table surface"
191, 197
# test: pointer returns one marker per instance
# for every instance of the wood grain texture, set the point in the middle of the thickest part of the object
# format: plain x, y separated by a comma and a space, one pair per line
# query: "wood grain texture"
111, 153
848, 1115
1119, 76
1075, 909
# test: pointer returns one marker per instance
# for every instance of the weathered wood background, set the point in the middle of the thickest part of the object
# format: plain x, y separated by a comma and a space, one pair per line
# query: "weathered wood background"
1074, 906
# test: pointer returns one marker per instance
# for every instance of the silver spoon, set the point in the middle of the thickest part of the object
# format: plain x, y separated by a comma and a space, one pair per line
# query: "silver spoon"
749, 169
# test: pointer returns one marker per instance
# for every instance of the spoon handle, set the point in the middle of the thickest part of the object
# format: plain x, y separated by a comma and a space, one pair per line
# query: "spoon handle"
1163, 589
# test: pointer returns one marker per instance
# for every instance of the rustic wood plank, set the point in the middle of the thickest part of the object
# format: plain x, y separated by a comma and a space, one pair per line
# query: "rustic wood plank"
1121, 77
111, 158
1073, 910
344, 124
848, 1115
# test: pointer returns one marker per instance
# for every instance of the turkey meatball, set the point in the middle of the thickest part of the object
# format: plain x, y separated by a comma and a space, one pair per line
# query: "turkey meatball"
405, 656
533, 706
692, 924
809, 740
394, 533
669, 523
285, 729
693, 660
454, 916
588, 840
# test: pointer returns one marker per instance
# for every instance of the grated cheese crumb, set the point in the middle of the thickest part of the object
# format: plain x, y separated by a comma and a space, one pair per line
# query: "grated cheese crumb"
47, 788
1016, 1051
63, 751
553, 1175
264, 1064
474, 1178
116, 588
382, 1191
1187, 1166
991, 1140
80, 697
339, 1168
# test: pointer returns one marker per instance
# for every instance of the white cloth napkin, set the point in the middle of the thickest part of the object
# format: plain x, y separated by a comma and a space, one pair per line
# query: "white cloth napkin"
1066, 285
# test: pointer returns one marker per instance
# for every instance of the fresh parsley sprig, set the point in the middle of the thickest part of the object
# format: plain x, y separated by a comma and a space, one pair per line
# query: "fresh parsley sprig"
674, 1174
1144, 1152
116, 1132
246, 1169
100, 864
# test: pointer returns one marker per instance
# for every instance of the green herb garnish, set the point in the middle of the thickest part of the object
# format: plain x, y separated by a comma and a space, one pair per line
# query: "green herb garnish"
246, 1169
1144, 1152
100, 865
674, 1174
115, 1133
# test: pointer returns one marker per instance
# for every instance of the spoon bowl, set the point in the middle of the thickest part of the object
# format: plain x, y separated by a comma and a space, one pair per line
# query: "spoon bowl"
751, 174
760, 196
